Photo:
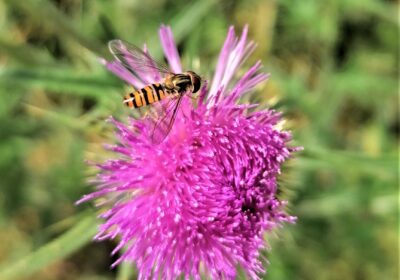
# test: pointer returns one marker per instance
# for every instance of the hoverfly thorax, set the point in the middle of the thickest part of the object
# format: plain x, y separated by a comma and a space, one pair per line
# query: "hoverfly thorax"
182, 82
188, 81
169, 81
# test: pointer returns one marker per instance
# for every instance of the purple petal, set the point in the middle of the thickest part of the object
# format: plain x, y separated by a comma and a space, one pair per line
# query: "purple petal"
249, 80
170, 50
233, 54
222, 62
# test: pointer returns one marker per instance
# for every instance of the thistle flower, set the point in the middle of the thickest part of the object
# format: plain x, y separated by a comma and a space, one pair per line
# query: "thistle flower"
199, 202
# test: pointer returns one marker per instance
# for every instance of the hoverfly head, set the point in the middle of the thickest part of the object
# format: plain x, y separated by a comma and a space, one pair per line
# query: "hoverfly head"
196, 81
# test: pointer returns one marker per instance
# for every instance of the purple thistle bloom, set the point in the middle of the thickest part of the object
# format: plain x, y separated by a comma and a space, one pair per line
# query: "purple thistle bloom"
199, 202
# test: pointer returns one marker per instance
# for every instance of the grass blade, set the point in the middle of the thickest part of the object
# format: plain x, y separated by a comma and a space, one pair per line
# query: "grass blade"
58, 249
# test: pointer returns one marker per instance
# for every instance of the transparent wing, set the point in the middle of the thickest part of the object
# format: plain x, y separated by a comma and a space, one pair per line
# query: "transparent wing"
133, 58
163, 125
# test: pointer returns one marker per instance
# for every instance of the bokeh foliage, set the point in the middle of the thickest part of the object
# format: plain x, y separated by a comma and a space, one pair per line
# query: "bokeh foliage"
334, 68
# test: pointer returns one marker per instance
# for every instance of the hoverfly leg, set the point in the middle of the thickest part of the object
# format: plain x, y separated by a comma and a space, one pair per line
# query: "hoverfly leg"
193, 97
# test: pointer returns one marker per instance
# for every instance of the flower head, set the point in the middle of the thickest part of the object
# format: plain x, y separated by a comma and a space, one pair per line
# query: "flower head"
199, 202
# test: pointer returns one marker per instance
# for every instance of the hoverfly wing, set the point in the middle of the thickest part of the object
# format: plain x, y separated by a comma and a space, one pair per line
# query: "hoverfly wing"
163, 124
135, 60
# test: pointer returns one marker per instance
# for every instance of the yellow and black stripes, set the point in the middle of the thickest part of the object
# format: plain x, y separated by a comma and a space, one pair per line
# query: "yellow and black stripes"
145, 96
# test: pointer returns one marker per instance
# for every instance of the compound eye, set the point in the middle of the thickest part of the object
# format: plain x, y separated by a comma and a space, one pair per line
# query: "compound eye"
196, 83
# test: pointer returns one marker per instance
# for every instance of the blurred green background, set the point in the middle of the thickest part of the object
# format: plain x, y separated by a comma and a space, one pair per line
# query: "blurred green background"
334, 68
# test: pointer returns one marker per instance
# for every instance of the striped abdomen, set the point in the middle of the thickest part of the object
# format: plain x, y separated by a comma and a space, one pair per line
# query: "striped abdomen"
145, 96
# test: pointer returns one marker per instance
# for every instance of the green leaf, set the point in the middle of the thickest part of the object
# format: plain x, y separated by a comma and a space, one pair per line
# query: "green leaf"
25, 54
183, 23
63, 246
62, 81
345, 162
126, 271
56, 22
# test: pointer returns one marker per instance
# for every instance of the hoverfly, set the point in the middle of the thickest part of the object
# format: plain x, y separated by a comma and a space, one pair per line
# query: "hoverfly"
173, 86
